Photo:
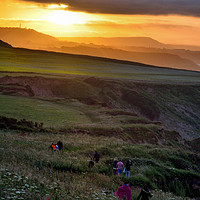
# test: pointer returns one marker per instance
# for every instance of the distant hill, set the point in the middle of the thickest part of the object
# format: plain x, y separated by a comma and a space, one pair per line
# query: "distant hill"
29, 38
138, 49
183, 53
117, 41
163, 59
4, 44
116, 48
128, 42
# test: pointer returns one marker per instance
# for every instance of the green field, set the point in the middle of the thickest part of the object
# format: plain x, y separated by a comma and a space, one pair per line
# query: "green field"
62, 113
52, 114
23, 60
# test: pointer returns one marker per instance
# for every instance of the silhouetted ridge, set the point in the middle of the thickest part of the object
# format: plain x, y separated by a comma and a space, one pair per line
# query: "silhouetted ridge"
4, 44
28, 38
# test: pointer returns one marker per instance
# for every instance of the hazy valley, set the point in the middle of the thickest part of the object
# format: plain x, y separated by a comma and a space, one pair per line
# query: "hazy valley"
137, 49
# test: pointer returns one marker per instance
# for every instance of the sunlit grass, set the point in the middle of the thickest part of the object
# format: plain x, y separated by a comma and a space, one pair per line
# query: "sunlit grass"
21, 60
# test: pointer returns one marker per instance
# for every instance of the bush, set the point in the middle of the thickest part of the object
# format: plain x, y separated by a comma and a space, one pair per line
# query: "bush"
106, 151
139, 180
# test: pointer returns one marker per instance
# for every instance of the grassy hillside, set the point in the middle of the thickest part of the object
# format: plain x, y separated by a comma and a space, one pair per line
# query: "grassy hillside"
23, 60
66, 176
85, 100
121, 109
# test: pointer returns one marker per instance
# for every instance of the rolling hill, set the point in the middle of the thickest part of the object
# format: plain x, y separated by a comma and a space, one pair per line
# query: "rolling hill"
117, 41
156, 93
23, 60
122, 48
122, 109
163, 59
28, 38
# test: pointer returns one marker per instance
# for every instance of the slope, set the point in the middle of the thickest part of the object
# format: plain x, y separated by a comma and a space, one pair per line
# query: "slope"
176, 106
28, 38
4, 44
117, 41
159, 58
23, 60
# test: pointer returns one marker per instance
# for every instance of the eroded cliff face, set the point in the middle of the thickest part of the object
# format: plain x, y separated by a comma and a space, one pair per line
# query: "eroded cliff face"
176, 106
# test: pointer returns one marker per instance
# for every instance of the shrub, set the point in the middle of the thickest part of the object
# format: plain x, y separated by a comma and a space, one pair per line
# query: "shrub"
139, 180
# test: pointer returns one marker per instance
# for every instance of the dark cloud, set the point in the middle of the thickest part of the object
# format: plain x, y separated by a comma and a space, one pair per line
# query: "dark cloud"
151, 7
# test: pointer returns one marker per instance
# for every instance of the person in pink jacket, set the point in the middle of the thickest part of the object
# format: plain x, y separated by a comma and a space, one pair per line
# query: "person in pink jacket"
120, 167
124, 191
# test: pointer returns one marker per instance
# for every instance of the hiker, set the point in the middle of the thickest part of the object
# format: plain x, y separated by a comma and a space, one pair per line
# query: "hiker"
60, 145
56, 147
115, 166
91, 164
145, 193
120, 167
123, 192
128, 168
53, 147
96, 157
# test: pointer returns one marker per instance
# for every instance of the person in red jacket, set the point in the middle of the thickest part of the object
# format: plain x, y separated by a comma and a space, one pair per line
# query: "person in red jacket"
124, 191
53, 147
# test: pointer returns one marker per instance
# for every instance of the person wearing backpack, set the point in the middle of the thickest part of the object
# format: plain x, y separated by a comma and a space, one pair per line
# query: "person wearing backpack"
53, 147
145, 193
60, 145
128, 168
120, 167
91, 164
96, 157
115, 166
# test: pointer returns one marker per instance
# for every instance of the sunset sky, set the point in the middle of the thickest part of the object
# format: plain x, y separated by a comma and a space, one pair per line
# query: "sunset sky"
169, 21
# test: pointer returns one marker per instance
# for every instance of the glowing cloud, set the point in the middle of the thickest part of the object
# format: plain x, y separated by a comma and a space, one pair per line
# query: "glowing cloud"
57, 6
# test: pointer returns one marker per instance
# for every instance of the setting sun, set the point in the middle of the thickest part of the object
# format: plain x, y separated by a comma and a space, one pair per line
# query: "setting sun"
63, 17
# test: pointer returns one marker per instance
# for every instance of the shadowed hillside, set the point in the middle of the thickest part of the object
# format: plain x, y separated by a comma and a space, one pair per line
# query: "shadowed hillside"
176, 106
163, 59
4, 44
